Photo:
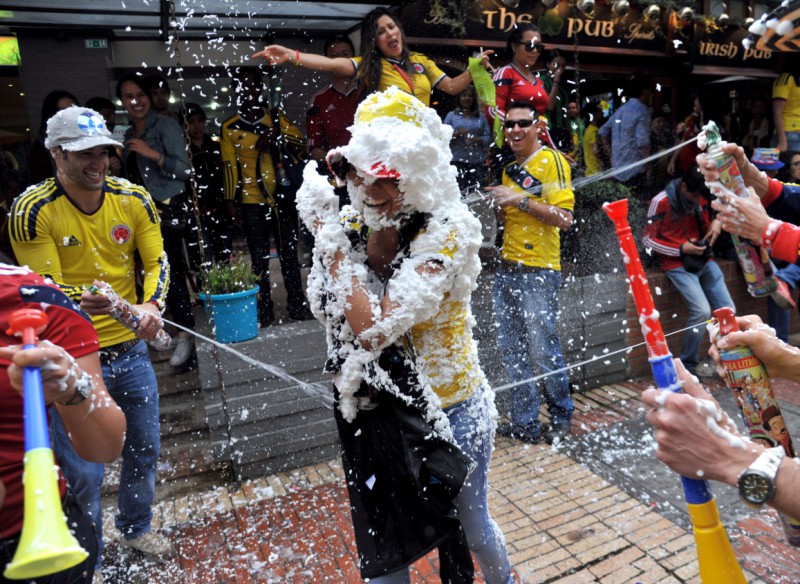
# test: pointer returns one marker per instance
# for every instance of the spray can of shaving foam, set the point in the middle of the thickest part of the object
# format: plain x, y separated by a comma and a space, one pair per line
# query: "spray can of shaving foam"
746, 377
756, 265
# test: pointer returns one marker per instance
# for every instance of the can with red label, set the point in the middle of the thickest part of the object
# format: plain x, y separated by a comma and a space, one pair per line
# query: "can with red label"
746, 376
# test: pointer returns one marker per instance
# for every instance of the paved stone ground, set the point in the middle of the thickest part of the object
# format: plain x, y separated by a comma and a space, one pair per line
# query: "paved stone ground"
599, 508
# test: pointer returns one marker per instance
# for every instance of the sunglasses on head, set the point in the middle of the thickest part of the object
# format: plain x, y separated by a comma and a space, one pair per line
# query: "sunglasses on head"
533, 45
509, 124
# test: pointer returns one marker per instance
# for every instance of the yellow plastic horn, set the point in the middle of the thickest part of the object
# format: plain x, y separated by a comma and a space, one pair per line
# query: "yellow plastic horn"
46, 545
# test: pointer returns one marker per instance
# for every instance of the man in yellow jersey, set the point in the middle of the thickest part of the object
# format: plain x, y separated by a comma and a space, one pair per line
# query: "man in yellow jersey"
537, 200
247, 143
76, 228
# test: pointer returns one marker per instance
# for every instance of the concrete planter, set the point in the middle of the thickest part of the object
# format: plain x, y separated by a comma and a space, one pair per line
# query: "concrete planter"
274, 424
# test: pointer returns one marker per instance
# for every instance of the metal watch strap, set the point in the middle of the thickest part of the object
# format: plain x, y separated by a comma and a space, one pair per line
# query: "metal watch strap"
769, 461
83, 389
523, 204
764, 468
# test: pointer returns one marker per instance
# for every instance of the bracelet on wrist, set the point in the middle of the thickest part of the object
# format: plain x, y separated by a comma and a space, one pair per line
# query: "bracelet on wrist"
297, 57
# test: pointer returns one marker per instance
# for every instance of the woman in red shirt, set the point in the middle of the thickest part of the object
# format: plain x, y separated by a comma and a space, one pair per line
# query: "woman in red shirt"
518, 81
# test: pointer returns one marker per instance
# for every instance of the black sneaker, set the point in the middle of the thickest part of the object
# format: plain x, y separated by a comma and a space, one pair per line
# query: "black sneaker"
506, 429
529, 436
556, 434
519, 433
265, 318
301, 313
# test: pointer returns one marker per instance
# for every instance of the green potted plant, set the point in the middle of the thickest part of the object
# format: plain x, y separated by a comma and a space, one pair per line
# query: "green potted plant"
229, 296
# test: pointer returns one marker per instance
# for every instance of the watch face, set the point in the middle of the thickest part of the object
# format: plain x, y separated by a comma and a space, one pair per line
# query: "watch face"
755, 488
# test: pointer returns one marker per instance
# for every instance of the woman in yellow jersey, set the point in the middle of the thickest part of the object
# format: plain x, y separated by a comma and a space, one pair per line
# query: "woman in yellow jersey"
400, 266
384, 62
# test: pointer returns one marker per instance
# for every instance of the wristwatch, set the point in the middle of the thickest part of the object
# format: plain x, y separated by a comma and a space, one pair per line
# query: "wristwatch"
757, 482
523, 204
84, 386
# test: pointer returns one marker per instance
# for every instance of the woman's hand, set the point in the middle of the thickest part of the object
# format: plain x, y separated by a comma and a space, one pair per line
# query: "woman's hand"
484, 58
276, 54
140, 147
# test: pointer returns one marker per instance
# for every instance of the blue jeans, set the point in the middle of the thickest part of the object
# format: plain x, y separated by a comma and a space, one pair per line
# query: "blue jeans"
473, 429
526, 306
781, 318
703, 291
131, 381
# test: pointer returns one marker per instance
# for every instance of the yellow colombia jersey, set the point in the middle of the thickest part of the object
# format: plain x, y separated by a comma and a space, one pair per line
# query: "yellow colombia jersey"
59, 241
426, 75
589, 157
527, 240
248, 171
444, 344
785, 87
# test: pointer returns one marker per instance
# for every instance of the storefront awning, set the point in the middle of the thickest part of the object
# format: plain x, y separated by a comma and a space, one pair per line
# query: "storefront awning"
197, 19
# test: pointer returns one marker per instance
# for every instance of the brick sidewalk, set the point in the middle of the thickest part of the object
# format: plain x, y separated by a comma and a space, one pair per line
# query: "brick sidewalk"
562, 524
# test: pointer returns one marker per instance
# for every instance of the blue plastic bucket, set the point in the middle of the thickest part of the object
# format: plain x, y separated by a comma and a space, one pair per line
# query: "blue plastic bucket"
235, 315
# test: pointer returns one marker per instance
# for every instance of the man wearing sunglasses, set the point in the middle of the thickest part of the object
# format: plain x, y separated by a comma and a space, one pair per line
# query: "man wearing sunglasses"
536, 200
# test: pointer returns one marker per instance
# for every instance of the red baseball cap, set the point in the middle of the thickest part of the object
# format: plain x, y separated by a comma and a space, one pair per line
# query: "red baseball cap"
380, 170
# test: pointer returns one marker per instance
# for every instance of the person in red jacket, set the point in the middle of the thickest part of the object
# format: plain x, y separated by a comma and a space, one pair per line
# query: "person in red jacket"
71, 379
679, 227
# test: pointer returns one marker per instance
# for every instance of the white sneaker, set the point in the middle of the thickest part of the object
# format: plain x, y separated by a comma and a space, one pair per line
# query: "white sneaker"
183, 351
154, 546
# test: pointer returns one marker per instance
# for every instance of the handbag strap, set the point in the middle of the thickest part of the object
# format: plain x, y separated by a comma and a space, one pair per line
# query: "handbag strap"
696, 215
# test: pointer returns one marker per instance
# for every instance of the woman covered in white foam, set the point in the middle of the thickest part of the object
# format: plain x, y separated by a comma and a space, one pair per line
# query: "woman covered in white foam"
398, 269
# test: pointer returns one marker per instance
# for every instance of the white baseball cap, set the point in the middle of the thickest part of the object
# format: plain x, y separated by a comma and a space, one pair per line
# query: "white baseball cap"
78, 128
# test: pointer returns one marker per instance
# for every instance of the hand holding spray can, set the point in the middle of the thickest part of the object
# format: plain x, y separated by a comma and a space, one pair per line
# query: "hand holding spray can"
128, 316
755, 262
746, 376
